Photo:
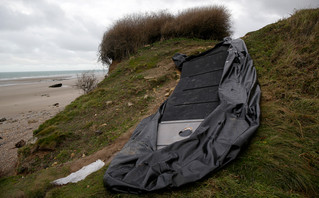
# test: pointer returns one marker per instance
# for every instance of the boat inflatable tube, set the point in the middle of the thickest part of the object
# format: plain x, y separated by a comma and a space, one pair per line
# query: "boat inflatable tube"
205, 123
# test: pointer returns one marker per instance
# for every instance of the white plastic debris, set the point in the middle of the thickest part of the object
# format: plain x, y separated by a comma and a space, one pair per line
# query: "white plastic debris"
80, 174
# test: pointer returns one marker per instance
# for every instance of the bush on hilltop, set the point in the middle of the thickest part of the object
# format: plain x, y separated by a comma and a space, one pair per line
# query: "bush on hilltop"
134, 31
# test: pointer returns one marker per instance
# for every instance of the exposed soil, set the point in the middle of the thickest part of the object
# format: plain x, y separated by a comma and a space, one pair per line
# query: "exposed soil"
107, 153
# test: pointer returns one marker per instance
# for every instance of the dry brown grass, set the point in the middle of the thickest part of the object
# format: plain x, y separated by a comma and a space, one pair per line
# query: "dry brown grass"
134, 31
130, 33
204, 23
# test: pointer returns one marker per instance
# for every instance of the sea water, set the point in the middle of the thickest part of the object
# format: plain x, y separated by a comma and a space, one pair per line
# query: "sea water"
14, 78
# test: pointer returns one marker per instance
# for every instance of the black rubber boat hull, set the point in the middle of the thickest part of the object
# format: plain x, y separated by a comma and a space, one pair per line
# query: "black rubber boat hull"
227, 126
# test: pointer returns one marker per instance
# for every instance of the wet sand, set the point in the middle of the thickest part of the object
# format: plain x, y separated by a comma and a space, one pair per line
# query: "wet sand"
25, 107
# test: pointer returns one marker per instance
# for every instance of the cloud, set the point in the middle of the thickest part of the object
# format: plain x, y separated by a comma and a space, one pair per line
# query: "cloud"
65, 34
37, 34
21, 15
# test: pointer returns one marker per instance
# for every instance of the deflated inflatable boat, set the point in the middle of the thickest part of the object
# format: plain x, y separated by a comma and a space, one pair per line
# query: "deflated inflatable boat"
201, 127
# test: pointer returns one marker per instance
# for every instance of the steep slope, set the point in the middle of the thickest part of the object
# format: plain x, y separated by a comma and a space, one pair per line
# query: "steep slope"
281, 160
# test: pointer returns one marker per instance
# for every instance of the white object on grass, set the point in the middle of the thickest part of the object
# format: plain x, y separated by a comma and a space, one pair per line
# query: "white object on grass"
80, 174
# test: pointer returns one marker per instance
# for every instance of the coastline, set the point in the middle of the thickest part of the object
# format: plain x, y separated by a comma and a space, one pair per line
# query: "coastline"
32, 80
25, 104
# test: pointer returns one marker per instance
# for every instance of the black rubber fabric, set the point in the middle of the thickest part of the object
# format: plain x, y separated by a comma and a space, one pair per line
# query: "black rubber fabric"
228, 123
196, 95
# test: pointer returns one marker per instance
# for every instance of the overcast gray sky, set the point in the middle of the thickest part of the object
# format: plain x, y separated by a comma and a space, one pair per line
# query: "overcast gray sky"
44, 35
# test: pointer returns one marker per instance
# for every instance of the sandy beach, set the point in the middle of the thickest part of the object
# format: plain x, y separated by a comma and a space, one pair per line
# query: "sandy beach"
25, 104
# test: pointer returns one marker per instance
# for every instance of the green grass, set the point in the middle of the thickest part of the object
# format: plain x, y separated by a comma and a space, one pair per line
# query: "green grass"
73, 130
92, 186
32, 185
282, 159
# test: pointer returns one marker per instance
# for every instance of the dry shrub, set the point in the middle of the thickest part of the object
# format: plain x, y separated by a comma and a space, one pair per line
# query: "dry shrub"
204, 23
130, 33
87, 81
134, 31
155, 25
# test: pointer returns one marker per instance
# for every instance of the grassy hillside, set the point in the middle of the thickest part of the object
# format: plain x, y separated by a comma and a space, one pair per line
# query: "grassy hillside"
281, 160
